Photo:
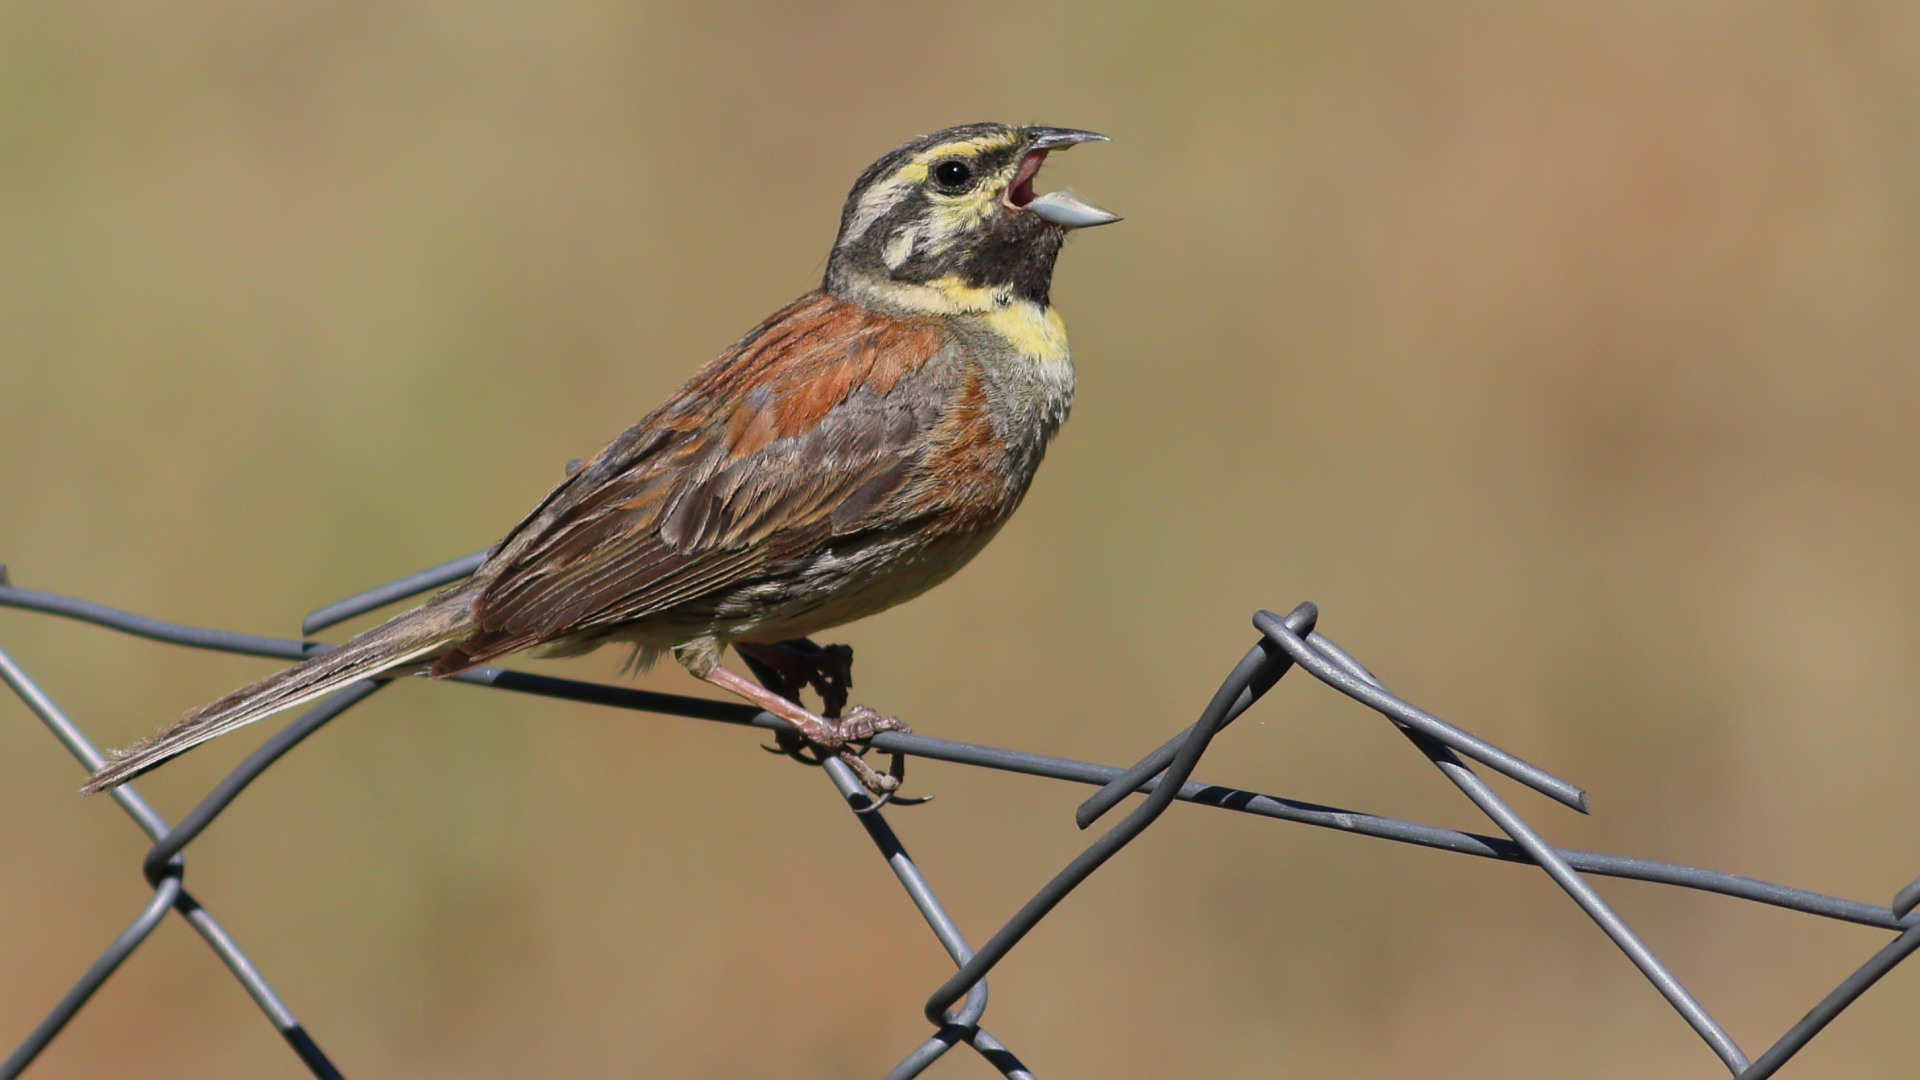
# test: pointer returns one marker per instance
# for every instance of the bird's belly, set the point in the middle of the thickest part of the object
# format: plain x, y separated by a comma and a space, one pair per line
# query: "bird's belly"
843, 582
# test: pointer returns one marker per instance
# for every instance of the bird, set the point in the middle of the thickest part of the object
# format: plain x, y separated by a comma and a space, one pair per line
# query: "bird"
849, 453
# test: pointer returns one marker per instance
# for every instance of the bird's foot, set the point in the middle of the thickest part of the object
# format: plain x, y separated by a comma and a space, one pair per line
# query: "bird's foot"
847, 739
790, 667
828, 733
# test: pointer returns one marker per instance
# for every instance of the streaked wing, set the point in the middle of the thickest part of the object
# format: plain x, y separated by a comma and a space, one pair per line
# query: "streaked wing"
796, 434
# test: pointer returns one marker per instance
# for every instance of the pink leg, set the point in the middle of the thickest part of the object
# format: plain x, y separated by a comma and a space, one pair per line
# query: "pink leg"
816, 729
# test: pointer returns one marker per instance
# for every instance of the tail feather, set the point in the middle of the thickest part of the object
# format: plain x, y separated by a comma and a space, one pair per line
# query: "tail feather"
406, 638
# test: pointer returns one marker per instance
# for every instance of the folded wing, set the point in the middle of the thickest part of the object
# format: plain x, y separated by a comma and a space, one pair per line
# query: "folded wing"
807, 429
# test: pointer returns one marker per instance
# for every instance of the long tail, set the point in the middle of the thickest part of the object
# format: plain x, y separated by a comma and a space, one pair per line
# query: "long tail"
405, 638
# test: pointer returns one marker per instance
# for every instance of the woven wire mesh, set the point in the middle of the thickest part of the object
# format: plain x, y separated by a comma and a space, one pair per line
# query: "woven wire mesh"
956, 1008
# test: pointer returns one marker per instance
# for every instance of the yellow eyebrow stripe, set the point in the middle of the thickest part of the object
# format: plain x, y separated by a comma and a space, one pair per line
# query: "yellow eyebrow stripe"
915, 170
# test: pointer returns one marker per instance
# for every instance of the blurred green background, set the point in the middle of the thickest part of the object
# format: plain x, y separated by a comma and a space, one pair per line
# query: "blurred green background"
1564, 353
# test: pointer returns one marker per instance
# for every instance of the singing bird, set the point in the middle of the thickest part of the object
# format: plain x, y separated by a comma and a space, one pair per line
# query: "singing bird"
847, 454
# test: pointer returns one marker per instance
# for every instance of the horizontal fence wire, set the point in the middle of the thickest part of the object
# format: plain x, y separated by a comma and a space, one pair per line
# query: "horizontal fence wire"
956, 1008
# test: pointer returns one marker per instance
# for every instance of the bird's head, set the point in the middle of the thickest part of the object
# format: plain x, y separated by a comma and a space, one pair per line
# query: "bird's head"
949, 222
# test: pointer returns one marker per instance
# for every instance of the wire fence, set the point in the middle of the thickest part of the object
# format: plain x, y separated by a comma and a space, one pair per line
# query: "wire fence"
955, 1009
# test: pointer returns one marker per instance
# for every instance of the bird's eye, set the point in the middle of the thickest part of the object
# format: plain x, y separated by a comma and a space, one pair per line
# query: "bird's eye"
952, 175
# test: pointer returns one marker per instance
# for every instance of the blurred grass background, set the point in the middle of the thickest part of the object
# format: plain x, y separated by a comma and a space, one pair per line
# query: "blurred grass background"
1563, 353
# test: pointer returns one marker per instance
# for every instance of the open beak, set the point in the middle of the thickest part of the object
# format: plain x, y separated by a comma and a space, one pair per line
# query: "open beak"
1059, 207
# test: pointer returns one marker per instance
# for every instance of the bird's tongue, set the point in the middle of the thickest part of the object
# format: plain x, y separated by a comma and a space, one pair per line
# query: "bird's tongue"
1020, 192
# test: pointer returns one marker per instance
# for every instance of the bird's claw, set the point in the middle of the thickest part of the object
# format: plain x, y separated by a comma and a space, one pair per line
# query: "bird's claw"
885, 788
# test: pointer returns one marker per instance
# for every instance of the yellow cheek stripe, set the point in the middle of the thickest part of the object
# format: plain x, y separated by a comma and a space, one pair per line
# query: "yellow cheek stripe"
953, 217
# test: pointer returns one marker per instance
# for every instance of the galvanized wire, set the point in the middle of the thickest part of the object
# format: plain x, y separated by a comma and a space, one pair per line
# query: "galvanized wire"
956, 1008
